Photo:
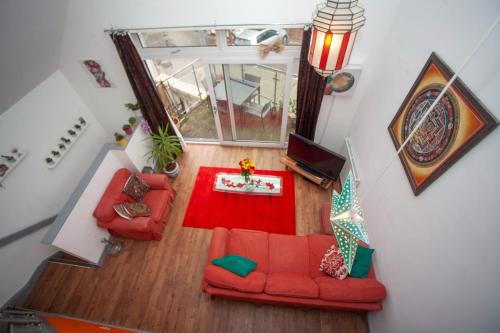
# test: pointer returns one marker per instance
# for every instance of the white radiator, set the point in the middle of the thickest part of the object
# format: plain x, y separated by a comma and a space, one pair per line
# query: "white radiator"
351, 156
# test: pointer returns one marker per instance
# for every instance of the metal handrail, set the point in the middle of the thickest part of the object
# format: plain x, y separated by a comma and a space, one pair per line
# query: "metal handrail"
181, 69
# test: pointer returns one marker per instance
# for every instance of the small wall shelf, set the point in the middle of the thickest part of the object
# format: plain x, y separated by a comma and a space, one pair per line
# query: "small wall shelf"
19, 156
73, 139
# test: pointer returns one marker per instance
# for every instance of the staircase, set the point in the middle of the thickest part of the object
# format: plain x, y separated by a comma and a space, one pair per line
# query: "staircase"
18, 320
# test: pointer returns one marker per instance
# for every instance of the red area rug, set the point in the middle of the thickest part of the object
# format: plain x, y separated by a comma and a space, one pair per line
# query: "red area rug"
209, 209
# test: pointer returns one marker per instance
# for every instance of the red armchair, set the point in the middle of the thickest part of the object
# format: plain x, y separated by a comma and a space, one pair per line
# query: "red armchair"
159, 199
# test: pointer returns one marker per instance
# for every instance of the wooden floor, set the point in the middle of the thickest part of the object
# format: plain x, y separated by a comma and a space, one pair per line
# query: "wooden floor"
155, 285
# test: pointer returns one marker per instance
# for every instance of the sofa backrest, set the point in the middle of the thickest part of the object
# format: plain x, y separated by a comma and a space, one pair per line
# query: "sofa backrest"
251, 244
288, 254
277, 253
113, 195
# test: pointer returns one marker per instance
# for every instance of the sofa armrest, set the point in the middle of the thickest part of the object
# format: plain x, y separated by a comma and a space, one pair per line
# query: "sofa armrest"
217, 247
140, 224
155, 180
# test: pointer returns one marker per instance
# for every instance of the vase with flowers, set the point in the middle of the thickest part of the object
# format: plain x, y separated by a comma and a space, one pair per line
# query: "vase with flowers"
247, 169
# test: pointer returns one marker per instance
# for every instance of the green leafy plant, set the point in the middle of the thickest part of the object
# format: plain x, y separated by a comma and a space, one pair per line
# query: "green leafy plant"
293, 106
165, 149
132, 121
132, 106
118, 136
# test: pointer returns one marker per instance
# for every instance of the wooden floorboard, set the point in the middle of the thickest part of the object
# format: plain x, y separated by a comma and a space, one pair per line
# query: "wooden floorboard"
155, 285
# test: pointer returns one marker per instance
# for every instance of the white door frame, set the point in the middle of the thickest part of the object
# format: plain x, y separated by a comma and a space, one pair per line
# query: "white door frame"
230, 55
253, 60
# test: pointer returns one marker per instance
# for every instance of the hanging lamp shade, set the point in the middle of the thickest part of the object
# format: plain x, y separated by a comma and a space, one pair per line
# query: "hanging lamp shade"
334, 30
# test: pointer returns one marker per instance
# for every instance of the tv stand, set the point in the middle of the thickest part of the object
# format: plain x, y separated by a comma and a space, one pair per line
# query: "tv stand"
306, 172
308, 169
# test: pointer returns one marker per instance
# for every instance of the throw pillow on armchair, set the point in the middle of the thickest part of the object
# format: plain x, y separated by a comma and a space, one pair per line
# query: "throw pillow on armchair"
135, 187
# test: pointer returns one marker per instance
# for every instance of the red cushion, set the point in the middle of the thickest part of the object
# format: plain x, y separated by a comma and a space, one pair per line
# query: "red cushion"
324, 216
250, 244
291, 284
221, 278
318, 245
158, 201
288, 254
113, 195
350, 289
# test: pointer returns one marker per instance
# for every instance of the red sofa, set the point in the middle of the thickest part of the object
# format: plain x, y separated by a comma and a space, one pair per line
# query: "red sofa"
325, 226
159, 199
287, 273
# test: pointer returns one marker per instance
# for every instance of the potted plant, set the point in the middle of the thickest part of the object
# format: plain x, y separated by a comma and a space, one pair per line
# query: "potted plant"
119, 139
132, 121
127, 129
133, 107
165, 149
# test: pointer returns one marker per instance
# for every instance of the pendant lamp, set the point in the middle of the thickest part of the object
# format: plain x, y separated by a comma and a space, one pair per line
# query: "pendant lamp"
334, 30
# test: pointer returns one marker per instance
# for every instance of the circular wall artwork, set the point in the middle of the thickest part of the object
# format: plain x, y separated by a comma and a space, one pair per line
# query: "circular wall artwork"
342, 82
437, 132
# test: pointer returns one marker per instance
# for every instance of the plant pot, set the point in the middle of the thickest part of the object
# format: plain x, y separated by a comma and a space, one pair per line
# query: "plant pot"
133, 122
128, 130
174, 172
121, 142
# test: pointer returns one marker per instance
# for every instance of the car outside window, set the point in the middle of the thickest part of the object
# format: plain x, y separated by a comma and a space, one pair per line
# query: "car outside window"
261, 37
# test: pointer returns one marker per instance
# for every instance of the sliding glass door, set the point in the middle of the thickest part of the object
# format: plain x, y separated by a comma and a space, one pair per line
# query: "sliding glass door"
249, 101
182, 86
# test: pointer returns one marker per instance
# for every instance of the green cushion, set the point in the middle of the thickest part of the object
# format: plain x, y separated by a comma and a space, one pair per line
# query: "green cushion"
362, 262
237, 264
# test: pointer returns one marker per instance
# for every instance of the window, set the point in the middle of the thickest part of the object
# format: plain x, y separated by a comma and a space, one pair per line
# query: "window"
248, 37
188, 38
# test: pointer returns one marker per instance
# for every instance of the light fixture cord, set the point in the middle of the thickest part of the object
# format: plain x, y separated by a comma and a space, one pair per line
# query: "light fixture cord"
433, 105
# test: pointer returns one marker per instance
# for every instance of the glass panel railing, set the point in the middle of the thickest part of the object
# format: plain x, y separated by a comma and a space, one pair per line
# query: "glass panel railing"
181, 85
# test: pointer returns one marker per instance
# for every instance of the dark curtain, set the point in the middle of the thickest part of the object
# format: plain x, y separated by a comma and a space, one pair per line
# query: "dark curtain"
151, 106
310, 89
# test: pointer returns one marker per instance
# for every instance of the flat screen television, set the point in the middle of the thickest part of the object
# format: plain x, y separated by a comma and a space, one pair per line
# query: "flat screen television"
314, 158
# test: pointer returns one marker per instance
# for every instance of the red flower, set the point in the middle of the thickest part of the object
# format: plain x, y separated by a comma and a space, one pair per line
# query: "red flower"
270, 186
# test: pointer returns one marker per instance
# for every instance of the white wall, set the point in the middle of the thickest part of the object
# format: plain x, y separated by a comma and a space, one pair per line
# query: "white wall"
138, 149
80, 235
379, 16
437, 253
32, 192
84, 38
31, 34
19, 260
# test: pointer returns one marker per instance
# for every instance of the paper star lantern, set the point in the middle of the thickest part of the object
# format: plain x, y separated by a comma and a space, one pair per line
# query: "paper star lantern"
348, 244
347, 221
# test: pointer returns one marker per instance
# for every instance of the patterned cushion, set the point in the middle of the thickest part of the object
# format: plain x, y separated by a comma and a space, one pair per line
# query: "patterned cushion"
130, 210
136, 188
333, 263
